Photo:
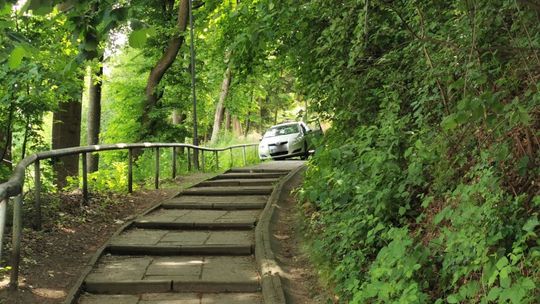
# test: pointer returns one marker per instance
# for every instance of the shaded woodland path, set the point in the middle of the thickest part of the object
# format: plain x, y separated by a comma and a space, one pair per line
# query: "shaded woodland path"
198, 247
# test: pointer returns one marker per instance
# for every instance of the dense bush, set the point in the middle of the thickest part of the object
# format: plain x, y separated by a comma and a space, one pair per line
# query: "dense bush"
426, 188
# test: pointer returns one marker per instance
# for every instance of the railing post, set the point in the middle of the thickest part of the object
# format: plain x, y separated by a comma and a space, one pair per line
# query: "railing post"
188, 158
196, 159
255, 148
232, 159
156, 181
217, 160
37, 196
84, 177
244, 155
202, 161
16, 242
130, 170
173, 162
3, 208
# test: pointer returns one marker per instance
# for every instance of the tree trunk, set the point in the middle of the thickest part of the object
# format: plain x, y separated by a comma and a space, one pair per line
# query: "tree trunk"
236, 126
66, 132
248, 125
218, 116
6, 140
94, 116
178, 119
227, 120
5, 152
161, 67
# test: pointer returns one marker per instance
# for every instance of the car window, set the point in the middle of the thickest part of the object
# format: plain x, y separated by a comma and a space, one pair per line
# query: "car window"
282, 130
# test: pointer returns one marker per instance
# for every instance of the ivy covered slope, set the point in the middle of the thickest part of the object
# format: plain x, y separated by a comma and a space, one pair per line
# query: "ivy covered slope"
427, 188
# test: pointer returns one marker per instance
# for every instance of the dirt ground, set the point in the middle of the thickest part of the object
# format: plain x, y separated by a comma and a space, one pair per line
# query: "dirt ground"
299, 279
53, 258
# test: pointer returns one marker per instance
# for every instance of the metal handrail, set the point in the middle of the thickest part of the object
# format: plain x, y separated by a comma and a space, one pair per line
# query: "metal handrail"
14, 186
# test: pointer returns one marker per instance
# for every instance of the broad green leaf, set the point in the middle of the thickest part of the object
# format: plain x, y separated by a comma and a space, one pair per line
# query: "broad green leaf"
494, 293
504, 278
452, 299
531, 224
502, 263
138, 38
16, 57
449, 123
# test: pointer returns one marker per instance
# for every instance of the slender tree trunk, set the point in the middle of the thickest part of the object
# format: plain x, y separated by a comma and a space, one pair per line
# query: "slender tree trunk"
248, 125
66, 132
94, 115
6, 140
5, 152
178, 119
248, 119
227, 120
236, 126
261, 113
26, 135
218, 116
161, 67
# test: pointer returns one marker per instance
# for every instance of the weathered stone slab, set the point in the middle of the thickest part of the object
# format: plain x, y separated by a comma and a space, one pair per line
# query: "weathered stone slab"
200, 216
173, 298
233, 190
249, 175
108, 299
258, 169
238, 182
182, 198
240, 202
114, 268
165, 242
135, 275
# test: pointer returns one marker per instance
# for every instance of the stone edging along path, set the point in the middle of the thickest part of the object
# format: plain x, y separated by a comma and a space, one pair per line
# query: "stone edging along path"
268, 267
235, 281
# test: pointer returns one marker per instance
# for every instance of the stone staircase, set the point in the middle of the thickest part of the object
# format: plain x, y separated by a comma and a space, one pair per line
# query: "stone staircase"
197, 247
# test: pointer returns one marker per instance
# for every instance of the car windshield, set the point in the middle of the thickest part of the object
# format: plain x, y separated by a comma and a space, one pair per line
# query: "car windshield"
282, 130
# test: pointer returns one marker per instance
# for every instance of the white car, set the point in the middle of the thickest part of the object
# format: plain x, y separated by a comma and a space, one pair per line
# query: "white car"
284, 141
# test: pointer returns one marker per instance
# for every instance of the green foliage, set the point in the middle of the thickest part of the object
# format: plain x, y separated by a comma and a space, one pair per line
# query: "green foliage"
425, 189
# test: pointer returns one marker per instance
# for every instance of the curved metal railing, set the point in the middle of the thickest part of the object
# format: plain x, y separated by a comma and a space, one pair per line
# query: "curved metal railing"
14, 186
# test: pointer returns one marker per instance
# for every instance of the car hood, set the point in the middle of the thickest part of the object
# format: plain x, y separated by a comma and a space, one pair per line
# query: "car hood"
279, 139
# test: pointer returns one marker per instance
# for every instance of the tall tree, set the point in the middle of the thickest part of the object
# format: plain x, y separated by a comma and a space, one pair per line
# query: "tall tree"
66, 133
220, 108
152, 91
94, 114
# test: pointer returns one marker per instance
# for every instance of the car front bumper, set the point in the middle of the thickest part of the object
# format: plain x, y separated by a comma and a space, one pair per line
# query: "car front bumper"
281, 151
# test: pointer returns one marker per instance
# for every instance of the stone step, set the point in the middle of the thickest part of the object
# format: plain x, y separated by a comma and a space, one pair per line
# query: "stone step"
238, 182
224, 191
242, 202
154, 274
247, 225
163, 250
184, 298
198, 219
213, 206
248, 170
165, 242
182, 198
249, 175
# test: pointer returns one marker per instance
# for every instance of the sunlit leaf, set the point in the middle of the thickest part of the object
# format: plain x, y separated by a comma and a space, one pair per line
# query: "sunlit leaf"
16, 57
